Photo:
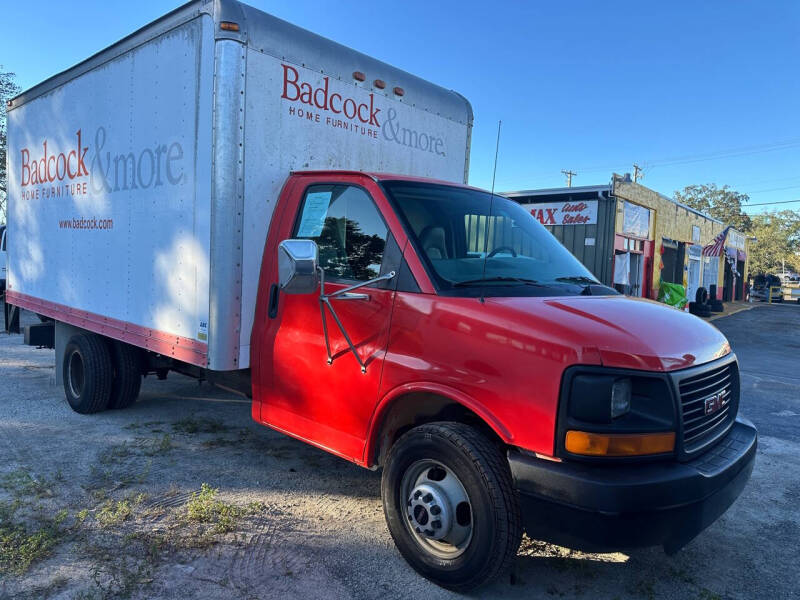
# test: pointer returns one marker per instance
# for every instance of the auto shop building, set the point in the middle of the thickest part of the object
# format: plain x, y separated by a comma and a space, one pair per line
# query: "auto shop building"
632, 238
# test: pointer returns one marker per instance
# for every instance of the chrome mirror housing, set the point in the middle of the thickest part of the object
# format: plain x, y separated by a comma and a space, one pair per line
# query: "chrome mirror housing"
298, 262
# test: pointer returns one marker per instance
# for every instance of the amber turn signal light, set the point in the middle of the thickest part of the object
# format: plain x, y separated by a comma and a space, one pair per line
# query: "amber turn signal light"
621, 444
229, 26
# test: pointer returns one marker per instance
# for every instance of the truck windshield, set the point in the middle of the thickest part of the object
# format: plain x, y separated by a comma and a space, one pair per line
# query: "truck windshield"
455, 229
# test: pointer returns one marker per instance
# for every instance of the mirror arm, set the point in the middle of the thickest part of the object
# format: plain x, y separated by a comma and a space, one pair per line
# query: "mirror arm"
325, 300
385, 277
322, 304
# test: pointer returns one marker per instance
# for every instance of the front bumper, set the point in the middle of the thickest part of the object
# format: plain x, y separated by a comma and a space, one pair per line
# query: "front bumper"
614, 507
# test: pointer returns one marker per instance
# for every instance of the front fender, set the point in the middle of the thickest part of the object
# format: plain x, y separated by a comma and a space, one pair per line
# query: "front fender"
395, 395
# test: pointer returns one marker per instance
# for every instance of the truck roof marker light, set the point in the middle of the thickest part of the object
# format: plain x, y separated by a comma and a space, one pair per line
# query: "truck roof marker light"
359, 76
399, 91
229, 26
379, 83
619, 444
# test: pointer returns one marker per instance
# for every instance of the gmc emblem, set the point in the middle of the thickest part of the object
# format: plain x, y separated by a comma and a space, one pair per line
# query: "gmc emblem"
715, 402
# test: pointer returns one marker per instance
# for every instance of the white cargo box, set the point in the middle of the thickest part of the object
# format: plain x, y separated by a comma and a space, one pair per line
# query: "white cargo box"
142, 181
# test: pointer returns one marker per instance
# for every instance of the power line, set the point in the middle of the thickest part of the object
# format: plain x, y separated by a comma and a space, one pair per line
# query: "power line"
747, 205
707, 156
777, 189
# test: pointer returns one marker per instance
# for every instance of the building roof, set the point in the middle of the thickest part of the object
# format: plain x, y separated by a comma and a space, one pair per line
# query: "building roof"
690, 209
582, 189
578, 189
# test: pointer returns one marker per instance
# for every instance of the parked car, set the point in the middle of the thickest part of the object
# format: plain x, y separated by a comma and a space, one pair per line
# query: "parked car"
762, 285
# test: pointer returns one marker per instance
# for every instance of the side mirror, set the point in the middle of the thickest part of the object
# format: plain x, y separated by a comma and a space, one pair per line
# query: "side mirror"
297, 266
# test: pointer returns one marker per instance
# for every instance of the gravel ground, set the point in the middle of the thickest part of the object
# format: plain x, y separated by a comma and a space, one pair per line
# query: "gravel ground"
104, 504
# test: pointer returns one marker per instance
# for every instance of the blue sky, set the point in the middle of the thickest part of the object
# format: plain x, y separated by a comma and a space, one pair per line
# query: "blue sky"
696, 92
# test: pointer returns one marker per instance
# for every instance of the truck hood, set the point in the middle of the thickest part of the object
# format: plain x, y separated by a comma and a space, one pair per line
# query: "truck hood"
631, 333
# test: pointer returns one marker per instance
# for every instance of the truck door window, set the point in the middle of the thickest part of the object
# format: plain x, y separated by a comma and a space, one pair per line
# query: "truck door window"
473, 243
346, 225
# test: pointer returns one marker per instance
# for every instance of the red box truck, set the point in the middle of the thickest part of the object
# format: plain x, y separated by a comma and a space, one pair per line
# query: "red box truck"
210, 196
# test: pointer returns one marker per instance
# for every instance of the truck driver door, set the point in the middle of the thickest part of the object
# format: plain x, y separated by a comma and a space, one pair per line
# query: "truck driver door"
331, 404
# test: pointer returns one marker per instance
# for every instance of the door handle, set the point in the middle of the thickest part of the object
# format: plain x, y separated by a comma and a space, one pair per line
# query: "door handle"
274, 293
350, 296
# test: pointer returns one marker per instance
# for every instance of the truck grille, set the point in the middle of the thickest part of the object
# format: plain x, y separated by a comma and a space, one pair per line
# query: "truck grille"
709, 402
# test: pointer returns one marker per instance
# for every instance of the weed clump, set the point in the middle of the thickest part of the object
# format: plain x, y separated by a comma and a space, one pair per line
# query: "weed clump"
203, 507
22, 544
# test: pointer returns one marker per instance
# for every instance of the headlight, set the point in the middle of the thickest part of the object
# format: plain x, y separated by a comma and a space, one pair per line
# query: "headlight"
615, 412
600, 398
620, 397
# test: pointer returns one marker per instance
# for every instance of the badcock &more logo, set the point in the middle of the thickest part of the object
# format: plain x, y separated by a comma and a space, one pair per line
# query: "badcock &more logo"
47, 172
351, 115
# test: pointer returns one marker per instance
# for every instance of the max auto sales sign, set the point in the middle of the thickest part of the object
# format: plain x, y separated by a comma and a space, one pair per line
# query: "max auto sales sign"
582, 212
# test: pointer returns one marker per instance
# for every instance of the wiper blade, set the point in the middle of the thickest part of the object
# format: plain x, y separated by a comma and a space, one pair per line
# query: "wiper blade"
498, 278
578, 279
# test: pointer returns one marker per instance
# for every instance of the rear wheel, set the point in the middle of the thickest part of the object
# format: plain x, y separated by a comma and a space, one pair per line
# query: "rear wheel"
450, 505
87, 373
126, 361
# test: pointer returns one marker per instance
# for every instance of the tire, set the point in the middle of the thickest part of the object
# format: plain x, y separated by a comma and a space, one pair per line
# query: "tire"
445, 454
87, 373
127, 364
701, 297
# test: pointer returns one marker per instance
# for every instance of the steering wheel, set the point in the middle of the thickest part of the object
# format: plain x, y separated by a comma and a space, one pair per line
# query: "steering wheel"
508, 249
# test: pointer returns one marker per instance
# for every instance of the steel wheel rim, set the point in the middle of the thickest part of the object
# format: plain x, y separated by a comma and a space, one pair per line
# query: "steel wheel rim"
428, 485
76, 374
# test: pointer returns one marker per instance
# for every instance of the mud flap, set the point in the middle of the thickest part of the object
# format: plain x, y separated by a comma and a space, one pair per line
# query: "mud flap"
11, 315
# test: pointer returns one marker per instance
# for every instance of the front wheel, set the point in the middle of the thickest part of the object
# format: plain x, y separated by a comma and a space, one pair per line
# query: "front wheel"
450, 505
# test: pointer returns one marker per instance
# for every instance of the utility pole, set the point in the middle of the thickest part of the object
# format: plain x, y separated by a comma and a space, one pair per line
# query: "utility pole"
570, 175
637, 173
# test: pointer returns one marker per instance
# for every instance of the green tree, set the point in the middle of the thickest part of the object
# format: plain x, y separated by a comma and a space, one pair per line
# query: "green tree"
777, 242
722, 203
8, 89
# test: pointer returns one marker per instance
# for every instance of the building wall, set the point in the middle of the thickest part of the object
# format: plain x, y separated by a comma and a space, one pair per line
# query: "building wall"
591, 243
596, 245
669, 220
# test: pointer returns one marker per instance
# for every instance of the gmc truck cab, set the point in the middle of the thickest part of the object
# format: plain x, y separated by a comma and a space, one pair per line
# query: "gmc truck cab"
440, 333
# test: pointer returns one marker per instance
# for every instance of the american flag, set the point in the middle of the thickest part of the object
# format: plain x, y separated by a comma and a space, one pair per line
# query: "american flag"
717, 244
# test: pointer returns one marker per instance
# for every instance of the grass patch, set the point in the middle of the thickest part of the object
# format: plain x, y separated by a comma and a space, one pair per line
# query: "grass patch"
114, 513
203, 507
22, 544
21, 483
200, 425
158, 446
115, 574
117, 453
